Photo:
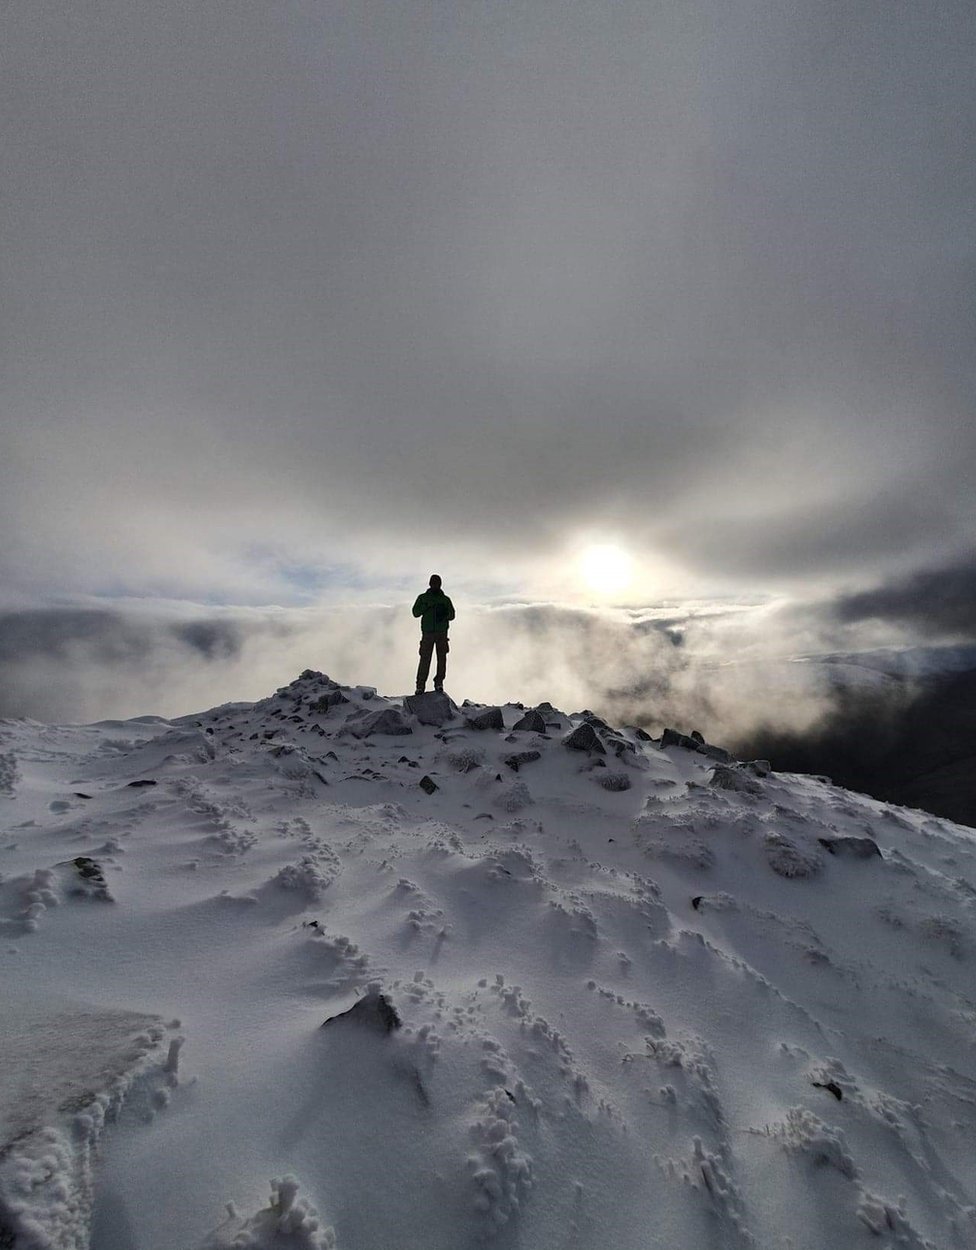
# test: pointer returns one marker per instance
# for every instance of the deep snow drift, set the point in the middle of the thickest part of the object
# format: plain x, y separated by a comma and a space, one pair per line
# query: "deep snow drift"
619, 992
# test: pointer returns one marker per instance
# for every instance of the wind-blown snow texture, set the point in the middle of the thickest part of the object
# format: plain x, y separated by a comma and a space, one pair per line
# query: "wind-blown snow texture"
646, 999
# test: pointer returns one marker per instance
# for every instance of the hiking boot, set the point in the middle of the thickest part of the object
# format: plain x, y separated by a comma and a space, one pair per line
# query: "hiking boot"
438, 689
420, 690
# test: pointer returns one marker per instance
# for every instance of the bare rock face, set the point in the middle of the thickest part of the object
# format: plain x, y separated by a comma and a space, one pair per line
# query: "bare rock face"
431, 709
531, 722
851, 847
584, 738
373, 1011
490, 718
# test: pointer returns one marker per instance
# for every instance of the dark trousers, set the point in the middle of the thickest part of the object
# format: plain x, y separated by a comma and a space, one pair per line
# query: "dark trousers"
427, 644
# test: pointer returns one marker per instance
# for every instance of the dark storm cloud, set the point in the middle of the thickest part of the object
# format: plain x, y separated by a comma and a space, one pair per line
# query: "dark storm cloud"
352, 280
935, 602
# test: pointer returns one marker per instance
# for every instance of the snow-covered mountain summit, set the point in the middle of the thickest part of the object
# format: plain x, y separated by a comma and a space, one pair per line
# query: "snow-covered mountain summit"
620, 992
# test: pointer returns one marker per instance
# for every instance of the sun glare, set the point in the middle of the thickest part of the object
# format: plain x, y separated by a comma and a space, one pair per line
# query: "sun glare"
606, 569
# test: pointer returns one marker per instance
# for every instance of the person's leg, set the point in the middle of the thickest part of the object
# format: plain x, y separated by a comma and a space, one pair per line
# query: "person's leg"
423, 668
442, 650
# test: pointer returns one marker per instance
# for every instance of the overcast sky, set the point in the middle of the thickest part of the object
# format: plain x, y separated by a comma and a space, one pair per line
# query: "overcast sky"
303, 300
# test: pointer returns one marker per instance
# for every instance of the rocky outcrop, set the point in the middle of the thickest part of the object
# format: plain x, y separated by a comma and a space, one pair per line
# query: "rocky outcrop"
531, 722
695, 742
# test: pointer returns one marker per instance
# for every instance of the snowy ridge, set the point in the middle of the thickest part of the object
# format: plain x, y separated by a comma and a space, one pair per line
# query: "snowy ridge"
647, 996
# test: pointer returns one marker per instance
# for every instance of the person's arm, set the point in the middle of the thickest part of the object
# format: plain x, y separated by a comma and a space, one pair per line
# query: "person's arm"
450, 610
419, 605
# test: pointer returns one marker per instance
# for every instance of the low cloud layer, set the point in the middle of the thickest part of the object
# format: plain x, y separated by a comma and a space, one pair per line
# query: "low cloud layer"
724, 667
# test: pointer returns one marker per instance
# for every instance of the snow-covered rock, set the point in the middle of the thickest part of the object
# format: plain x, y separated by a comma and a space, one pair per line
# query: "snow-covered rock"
715, 1006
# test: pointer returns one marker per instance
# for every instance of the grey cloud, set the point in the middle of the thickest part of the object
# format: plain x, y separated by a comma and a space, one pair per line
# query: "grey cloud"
938, 602
655, 666
366, 279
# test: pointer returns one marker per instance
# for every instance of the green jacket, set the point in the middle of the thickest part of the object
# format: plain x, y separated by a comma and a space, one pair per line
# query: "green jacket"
435, 610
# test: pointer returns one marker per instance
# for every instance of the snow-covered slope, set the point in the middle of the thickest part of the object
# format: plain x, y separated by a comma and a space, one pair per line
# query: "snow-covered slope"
646, 999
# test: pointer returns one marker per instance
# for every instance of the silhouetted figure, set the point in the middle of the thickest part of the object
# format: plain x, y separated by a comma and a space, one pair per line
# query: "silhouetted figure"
436, 612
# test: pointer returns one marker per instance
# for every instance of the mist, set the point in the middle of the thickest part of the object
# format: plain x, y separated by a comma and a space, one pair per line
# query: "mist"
723, 668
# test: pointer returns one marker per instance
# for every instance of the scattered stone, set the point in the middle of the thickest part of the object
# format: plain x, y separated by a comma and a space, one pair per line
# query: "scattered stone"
516, 761
831, 1086
428, 785
434, 708
490, 718
78, 795
83, 877
147, 781
696, 901
851, 847
584, 738
615, 781
374, 1010
531, 722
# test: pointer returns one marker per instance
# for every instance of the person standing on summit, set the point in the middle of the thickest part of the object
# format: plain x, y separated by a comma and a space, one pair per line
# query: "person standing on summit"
436, 612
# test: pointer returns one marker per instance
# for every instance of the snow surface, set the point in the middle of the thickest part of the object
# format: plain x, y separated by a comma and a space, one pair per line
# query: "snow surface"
668, 1014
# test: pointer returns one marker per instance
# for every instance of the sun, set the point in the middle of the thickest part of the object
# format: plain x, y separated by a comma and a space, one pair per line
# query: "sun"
605, 568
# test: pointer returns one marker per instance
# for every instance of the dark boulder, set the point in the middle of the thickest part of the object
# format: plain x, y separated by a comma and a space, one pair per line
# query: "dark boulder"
387, 721
671, 738
490, 718
374, 1011
427, 784
531, 722
851, 847
729, 777
584, 738
331, 699
433, 708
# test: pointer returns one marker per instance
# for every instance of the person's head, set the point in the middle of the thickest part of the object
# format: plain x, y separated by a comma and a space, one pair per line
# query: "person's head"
435, 581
